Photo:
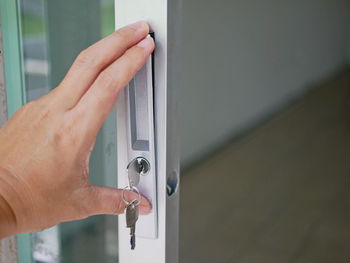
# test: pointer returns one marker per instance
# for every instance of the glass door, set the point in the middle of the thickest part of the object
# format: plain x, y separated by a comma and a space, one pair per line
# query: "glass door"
53, 33
41, 39
45, 37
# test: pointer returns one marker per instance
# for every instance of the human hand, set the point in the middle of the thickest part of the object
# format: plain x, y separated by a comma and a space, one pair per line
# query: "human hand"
45, 147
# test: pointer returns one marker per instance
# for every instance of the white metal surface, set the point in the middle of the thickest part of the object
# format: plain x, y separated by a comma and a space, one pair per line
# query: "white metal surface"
163, 248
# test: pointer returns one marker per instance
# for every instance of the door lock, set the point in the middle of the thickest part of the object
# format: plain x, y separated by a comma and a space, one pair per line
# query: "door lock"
138, 166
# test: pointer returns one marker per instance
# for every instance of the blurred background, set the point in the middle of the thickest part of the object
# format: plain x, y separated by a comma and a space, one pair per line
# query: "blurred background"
265, 128
265, 131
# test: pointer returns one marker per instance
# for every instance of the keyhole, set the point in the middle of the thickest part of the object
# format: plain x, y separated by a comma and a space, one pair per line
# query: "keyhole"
143, 165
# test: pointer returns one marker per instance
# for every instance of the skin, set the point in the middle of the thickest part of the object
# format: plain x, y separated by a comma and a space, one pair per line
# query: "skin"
46, 145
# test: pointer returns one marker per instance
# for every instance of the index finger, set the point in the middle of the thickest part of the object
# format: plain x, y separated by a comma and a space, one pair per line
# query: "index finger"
99, 101
91, 61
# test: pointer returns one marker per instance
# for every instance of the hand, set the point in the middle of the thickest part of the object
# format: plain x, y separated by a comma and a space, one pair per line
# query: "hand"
45, 147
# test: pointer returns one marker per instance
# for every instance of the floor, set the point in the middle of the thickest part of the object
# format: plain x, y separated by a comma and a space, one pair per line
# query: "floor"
281, 193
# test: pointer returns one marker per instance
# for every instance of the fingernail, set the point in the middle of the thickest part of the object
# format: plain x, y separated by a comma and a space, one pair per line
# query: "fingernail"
137, 25
145, 43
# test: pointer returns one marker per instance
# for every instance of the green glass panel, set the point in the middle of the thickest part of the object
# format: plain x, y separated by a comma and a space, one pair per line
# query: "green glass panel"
14, 83
53, 33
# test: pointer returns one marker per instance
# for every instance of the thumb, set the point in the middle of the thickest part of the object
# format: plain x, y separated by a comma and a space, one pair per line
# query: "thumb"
107, 200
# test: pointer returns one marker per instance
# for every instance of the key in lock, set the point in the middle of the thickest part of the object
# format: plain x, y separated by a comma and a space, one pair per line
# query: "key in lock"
138, 166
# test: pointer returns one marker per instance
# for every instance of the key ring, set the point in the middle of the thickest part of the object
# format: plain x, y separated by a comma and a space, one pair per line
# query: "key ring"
135, 190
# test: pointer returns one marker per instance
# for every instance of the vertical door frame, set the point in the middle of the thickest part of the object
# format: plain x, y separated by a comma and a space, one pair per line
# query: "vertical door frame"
162, 16
8, 246
10, 16
13, 54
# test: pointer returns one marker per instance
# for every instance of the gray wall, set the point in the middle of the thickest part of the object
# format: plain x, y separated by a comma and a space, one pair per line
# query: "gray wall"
244, 59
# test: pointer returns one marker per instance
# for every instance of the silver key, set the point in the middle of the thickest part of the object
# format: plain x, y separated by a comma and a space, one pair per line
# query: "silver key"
133, 174
132, 215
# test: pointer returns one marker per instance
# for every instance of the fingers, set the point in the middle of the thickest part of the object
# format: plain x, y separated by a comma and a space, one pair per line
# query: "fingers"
99, 100
95, 58
105, 200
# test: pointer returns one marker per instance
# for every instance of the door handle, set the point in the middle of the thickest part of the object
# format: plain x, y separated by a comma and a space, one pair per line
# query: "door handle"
141, 141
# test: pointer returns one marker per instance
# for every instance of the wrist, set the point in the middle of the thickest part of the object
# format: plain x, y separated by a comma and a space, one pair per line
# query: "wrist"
8, 220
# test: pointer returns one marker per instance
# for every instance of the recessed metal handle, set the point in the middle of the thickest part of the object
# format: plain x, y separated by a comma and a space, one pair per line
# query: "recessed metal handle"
141, 144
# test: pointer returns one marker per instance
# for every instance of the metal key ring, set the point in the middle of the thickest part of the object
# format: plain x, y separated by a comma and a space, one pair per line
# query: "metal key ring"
135, 190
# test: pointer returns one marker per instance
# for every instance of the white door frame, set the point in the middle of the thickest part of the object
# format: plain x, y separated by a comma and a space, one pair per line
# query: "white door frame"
163, 17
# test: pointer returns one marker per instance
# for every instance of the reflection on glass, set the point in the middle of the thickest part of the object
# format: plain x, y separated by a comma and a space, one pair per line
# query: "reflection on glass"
35, 48
53, 33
